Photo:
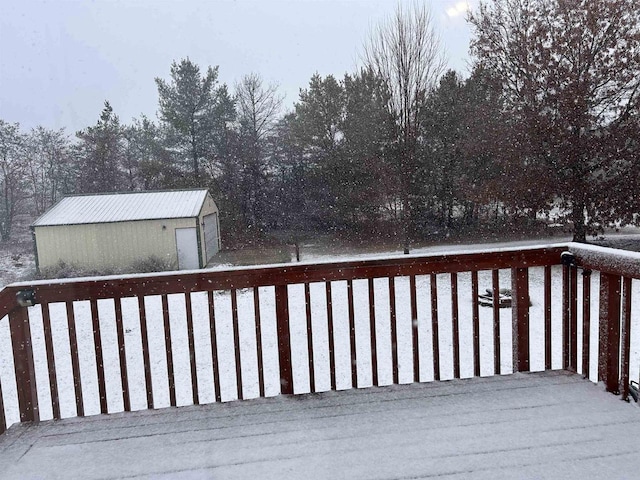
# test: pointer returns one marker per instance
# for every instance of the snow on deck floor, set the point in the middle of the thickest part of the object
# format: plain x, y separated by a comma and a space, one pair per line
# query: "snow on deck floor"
543, 425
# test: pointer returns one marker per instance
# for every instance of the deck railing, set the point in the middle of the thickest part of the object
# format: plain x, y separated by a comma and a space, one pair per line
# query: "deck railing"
109, 344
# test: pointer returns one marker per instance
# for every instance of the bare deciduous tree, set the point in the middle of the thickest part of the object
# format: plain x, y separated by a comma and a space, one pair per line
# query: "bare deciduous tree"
405, 52
49, 166
13, 188
258, 106
569, 72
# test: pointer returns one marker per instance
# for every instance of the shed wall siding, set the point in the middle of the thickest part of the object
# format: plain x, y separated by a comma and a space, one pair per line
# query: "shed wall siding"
208, 207
106, 245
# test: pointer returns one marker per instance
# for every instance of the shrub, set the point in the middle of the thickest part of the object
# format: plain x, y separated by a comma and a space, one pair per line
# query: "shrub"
150, 264
66, 270
60, 270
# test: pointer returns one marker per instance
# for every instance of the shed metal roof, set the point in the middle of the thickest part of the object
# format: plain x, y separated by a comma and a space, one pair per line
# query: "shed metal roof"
123, 207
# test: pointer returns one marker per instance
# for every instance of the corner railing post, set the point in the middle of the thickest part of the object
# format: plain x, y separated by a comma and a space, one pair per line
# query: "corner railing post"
284, 340
569, 314
23, 363
626, 338
609, 358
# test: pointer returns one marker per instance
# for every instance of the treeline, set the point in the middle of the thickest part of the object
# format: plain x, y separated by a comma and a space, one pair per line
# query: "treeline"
332, 164
548, 119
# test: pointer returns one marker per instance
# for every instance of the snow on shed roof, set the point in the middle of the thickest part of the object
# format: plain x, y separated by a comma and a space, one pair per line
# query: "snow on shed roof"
123, 207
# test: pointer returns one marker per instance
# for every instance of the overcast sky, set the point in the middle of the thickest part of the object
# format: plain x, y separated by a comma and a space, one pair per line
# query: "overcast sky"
61, 59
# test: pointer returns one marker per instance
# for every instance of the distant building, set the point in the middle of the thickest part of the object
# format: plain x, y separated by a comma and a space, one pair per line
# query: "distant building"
116, 230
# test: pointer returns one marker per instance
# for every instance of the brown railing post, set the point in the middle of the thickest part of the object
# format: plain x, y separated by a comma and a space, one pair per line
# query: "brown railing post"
435, 332
192, 349
75, 359
520, 318
23, 362
573, 301
352, 335
3, 421
475, 313
169, 351
495, 283
236, 342
330, 334
97, 342
414, 329
214, 346
146, 359
284, 340
51, 361
393, 327
455, 325
547, 318
570, 316
256, 316
626, 337
608, 363
122, 355
372, 329
586, 322
566, 314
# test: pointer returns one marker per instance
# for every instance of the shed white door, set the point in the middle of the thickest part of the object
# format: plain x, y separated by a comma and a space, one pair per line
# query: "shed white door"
211, 239
187, 245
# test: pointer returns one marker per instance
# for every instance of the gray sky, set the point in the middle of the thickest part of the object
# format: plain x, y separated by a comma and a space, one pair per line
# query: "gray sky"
61, 59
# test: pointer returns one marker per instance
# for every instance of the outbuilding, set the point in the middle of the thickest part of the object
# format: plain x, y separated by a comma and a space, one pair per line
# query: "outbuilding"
117, 230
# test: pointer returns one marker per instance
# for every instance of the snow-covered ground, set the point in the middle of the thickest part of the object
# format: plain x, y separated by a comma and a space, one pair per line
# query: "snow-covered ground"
15, 265
299, 340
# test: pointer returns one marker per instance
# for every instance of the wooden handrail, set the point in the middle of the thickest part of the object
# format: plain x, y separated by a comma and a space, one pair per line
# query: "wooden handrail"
606, 260
237, 278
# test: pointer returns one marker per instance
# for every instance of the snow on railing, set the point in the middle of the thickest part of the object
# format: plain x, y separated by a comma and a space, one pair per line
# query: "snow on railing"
108, 344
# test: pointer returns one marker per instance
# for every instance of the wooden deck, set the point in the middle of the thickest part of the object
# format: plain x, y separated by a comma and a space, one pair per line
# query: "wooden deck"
542, 425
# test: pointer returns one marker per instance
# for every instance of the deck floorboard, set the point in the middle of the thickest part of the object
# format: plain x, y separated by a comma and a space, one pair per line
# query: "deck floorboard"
543, 425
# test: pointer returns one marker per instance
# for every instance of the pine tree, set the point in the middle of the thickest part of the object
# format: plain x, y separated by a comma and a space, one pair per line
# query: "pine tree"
99, 154
317, 124
194, 111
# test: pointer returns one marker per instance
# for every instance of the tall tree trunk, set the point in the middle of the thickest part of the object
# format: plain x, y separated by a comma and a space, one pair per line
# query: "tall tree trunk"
406, 228
579, 228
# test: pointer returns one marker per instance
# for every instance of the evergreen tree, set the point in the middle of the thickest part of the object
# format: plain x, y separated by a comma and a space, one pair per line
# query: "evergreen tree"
364, 180
290, 177
442, 165
147, 163
100, 153
317, 124
193, 110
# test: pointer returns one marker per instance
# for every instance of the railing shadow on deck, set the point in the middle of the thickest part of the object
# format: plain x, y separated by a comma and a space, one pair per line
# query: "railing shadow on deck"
108, 344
